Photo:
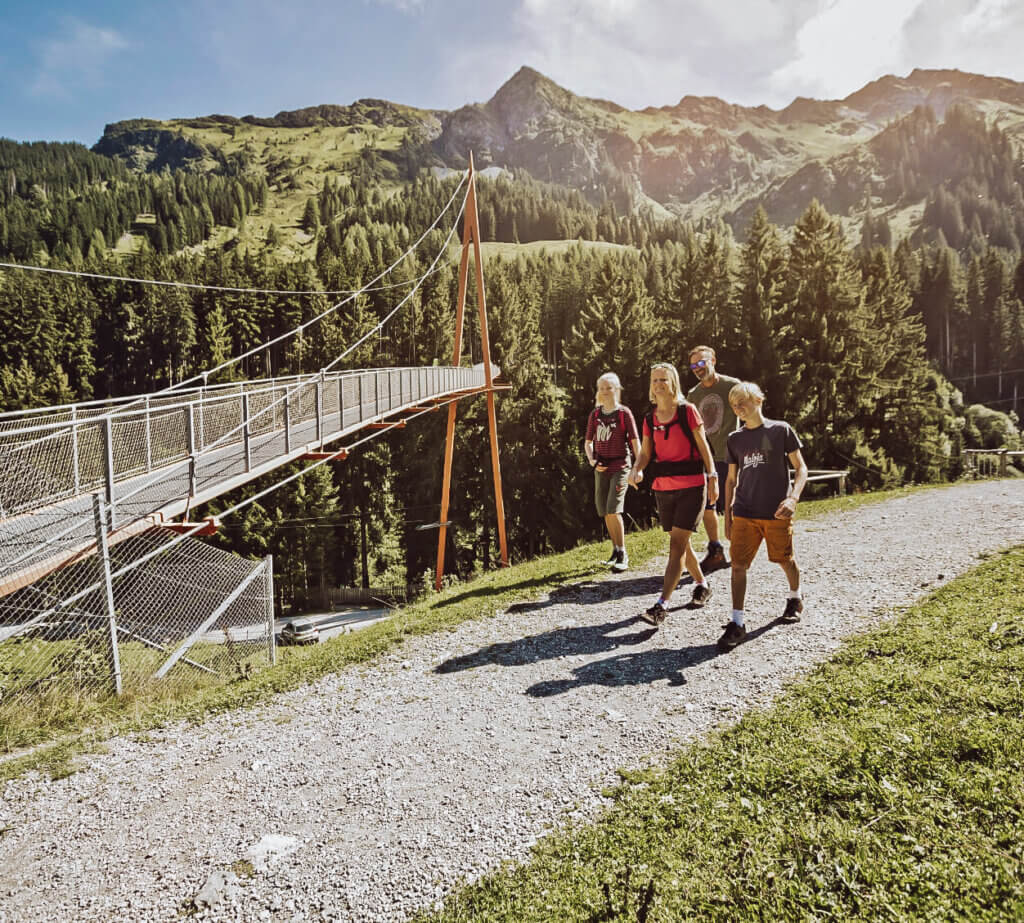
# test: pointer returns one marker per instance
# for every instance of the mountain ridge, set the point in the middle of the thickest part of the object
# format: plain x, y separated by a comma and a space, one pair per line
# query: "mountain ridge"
701, 158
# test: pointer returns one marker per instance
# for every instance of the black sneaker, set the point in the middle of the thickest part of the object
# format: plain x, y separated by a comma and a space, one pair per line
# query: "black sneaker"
714, 560
793, 609
612, 558
701, 594
655, 615
622, 562
734, 634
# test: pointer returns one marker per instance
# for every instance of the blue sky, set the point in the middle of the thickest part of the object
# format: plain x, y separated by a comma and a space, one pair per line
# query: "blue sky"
67, 69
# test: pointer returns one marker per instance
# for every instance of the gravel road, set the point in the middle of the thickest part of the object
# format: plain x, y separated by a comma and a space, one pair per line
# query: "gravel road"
370, 794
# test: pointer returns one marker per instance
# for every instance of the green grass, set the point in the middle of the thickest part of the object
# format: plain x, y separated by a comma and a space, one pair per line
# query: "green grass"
889, 785
66, 732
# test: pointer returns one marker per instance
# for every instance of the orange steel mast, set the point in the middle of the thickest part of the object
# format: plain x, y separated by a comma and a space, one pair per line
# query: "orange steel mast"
471, 234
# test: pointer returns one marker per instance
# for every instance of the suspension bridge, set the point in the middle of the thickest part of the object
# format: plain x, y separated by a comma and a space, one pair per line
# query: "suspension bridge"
94, 495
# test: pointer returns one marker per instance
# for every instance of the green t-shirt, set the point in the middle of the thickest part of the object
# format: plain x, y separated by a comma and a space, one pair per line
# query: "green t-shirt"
719, 419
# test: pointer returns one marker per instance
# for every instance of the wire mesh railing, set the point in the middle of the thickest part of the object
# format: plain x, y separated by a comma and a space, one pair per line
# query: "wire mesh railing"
188, 614
164, 455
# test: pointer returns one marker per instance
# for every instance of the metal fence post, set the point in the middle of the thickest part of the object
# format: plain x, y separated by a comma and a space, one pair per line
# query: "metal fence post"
246, 434
268, 576
76, 478
287, 425
108, 465
190, 437
149, 437
320, 408
341, 403
113, 657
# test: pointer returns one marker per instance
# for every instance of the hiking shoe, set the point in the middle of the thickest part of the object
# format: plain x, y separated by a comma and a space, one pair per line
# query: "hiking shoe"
701, 594
612, 557
792, 611
655, 615
714, 560
734, 634
622, 562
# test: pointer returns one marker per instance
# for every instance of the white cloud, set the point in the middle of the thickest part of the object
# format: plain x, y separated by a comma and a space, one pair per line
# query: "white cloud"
79, 56
652, 52
641, 52
403, 6
844, 46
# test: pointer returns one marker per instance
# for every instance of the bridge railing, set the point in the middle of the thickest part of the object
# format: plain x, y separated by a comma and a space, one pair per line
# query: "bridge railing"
167, 453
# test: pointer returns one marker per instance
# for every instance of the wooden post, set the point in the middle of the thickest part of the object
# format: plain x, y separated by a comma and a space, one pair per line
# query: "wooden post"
471, 234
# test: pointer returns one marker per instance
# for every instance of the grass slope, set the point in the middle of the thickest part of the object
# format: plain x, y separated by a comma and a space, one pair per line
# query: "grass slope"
887, 786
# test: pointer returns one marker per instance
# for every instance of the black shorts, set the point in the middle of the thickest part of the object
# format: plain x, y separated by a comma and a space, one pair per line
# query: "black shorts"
681, 509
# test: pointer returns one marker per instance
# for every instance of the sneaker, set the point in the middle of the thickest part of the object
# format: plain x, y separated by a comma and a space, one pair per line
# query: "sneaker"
701, 594
622, 562
734, 634
792, 611
714, 560
655, 615
612, 558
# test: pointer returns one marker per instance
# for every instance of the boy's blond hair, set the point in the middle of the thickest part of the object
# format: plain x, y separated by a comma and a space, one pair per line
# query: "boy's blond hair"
746, 389
673, 381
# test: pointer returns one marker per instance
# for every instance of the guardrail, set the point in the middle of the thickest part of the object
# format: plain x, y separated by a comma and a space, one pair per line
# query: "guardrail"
827, 474
992, 463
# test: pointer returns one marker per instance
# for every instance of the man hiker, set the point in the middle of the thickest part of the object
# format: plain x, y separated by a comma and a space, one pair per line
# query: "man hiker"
711, 397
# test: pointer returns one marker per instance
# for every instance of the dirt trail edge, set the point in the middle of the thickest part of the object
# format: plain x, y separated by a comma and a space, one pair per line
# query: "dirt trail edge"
370, 794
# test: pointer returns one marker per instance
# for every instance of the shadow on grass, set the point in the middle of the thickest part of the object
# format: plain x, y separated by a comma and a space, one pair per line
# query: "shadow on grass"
635, 668
523, 585
590, 593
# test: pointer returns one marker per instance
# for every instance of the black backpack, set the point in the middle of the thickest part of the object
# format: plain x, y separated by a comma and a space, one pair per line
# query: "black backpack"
661, 469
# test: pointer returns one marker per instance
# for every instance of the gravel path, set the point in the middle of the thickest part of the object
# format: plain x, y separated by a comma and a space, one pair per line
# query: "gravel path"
370, 794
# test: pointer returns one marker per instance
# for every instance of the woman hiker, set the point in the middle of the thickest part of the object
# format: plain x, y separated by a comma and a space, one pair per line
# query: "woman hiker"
678, 461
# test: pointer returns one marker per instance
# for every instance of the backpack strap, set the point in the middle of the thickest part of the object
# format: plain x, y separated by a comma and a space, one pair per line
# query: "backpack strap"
694, 465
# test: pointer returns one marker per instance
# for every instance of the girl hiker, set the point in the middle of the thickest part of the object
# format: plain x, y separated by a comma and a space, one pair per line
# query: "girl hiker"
679, 463
611, 432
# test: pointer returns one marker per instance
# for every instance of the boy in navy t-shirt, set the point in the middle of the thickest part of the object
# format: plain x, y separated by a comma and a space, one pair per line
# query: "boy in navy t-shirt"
759, 503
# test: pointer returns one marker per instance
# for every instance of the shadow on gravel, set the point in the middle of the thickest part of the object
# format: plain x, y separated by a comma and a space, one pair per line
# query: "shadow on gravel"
635, 668
560, 642
590, 593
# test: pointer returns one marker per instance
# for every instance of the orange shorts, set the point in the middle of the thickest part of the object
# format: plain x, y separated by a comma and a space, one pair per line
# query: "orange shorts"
746, 535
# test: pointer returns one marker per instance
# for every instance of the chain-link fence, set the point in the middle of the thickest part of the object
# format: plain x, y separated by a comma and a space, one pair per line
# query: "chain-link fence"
152, 613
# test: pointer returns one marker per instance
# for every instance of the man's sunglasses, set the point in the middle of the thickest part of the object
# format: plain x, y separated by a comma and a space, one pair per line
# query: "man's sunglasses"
699, 364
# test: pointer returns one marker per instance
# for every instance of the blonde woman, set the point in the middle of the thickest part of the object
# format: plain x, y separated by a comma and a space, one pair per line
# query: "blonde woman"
676, 457
611, 432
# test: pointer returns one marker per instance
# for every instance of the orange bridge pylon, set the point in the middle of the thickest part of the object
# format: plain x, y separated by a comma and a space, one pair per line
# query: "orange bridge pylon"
471, 234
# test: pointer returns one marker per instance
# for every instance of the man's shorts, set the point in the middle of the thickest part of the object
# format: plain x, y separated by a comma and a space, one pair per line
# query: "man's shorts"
723, 472
746, 535
610, 491
681, 509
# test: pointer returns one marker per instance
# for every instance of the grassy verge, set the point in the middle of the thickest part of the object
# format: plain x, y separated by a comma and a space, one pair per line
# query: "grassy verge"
78, 731
889, 785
